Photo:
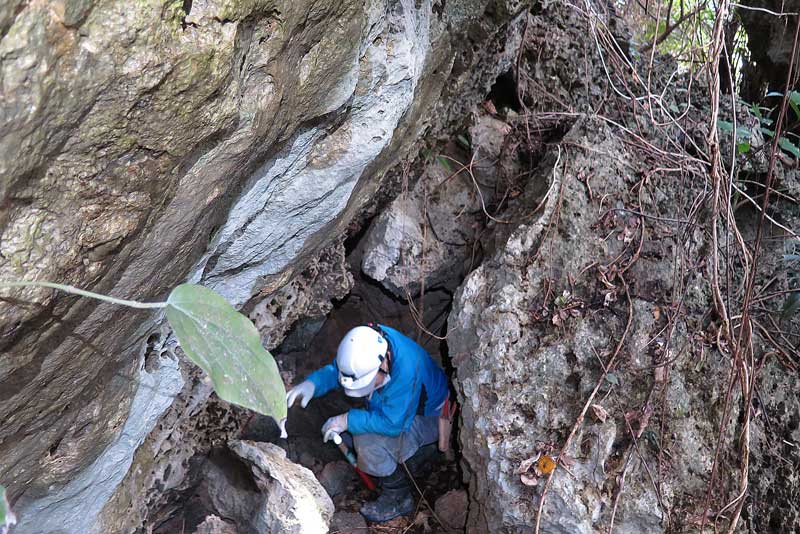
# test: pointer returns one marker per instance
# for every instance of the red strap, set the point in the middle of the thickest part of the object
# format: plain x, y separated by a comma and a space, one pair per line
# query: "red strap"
448, 409
367, 480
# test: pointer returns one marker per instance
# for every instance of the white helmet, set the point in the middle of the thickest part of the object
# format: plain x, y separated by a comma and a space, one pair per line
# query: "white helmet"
359, 358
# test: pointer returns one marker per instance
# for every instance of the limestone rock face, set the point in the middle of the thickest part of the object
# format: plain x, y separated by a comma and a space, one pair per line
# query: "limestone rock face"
426, 237
527, 341
214, 525
769, 42
295, 502
452, 508
143, 144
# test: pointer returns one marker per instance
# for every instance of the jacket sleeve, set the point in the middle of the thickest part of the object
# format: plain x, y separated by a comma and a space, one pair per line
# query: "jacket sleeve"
324, 379
387, 419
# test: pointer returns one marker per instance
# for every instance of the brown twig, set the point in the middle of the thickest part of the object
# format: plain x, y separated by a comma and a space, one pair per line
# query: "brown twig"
579, 422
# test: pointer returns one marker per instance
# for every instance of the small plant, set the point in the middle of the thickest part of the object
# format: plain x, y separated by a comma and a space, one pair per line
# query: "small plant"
565, 306
220, 340
785, 142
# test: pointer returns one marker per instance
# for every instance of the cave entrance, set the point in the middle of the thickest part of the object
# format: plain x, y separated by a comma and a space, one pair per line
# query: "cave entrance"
455, 204
312, 343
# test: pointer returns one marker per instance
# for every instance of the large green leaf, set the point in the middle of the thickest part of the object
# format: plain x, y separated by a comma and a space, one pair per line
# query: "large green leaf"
6, 516
789, 147
227, 346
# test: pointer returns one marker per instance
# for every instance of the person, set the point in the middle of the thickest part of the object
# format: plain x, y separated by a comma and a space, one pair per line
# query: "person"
405, 391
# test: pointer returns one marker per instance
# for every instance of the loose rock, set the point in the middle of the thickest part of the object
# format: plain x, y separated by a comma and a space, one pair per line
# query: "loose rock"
294, 501
451, 508
336, 476
215, 525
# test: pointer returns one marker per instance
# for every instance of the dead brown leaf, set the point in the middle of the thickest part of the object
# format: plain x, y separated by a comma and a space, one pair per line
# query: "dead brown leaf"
599, 413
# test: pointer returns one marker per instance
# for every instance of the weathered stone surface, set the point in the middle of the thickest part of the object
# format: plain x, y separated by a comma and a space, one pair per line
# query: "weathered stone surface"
336, 476
451, 508
769, 43
348, 523
414, 243
309, 294
215, 525
528, 333
294, 501
135, 134
57, 512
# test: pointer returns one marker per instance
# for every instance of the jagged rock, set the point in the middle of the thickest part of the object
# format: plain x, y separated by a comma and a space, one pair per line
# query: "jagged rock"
525, 364
451, 508
336, 476
215, 525
294, 501
414, 243
309, 294
348, 523
227, 486
226, 142
769, 43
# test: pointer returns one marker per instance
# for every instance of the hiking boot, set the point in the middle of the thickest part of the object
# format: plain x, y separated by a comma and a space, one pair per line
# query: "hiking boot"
395, 499
420, 463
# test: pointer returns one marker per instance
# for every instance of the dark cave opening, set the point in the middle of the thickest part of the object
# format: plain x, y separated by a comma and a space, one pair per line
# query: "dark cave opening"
503, 93
310, 344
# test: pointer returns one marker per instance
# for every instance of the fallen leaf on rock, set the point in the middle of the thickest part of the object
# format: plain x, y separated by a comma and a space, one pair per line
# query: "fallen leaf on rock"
528, 480
544, 465
422, 519
599, 413
526, 464
488, 105
566, 460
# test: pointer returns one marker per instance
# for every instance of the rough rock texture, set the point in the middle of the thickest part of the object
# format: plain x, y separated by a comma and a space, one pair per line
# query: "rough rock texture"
309, 294
531, 327
427, 237
348, 523
294, 501
142, 144
613, 268
769, 41
254, 488
336, 476
160, 381
195, 423
215, 525
452, 508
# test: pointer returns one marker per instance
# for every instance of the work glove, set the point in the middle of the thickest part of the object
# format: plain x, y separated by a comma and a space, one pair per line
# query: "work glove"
304, 391
334, 425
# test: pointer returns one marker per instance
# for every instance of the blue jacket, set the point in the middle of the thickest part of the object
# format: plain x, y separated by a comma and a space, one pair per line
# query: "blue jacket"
392, 408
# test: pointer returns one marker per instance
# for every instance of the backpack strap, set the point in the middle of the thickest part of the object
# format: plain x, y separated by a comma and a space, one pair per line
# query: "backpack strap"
389, 351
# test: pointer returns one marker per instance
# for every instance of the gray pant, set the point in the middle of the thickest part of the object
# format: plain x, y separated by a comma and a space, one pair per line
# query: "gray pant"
378, 455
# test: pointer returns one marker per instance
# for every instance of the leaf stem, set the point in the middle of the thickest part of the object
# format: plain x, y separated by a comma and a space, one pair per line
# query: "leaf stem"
83, 293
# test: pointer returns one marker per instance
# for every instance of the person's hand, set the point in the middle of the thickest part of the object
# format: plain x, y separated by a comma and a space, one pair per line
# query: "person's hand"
304, 391
334, 425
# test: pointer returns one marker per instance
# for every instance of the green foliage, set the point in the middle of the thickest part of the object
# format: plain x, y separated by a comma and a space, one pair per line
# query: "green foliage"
789, 147
227, 346
612, 378
219, 339
743, 133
